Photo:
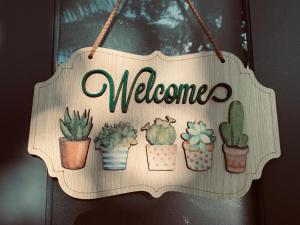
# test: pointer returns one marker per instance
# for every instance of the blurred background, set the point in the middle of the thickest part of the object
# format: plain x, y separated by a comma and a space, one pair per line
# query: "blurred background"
36, 36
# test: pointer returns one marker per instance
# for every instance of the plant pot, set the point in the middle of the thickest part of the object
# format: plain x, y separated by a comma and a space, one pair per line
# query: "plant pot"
235, 158
115, 159
198, 160
161, 157
73, 154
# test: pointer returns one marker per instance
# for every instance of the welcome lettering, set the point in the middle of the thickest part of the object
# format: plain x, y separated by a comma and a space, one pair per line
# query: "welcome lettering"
142, 92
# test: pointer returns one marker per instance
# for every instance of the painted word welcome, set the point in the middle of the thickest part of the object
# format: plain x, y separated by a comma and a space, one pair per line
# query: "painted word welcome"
171, 94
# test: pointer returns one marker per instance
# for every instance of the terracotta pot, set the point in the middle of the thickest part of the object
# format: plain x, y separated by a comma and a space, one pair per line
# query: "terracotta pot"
115, 159
235, 158
198, 160
73, 154
161, 157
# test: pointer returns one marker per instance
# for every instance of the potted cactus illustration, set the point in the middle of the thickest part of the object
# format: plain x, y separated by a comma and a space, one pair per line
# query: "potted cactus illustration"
198, 146
114, 142
74, 145
235, 142
161, 150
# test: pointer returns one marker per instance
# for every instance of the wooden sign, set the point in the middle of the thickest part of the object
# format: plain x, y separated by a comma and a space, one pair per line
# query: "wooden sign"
121, 123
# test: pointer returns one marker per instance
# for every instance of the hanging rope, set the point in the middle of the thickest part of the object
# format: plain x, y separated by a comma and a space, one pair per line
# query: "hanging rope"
108, 22
206, 31
104, 30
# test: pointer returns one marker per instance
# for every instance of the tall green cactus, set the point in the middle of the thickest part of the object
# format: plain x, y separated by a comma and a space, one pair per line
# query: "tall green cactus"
232, 131
76, 128
225, 129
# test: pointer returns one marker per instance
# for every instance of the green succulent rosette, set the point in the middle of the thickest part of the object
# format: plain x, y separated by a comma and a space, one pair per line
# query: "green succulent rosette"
198, 136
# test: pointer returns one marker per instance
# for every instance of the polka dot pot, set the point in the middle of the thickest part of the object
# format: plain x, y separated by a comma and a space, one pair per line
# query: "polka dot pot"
198, 160
235, 159
161, 157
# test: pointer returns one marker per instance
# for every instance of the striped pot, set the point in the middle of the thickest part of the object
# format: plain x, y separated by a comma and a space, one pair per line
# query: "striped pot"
115, 159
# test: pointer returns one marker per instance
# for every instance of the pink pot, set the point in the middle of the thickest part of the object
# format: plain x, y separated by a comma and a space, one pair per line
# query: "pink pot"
73, 154
198, 160
235, 158
161, 157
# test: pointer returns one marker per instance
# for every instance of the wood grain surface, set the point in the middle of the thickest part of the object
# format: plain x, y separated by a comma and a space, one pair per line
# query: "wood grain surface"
64, 90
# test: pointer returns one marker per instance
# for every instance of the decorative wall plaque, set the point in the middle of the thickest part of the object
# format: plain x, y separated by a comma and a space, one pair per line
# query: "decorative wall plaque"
120, 123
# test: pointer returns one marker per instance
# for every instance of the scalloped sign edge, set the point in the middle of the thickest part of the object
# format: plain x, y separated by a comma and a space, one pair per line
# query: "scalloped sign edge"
154, 192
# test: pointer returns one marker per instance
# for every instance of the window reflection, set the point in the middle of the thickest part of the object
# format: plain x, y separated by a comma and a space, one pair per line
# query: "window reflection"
141, 27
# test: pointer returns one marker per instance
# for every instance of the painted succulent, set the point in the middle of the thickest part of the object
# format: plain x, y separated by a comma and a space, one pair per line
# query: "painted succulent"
119, 135
199, 136
76, 127
232, 131
161, 132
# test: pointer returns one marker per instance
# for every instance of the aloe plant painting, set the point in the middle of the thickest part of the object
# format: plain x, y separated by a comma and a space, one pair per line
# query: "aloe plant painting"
74, 145
76, 127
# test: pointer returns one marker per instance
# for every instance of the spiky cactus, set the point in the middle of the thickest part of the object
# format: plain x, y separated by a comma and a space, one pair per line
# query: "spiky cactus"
161, 132
76, 127
232, 131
